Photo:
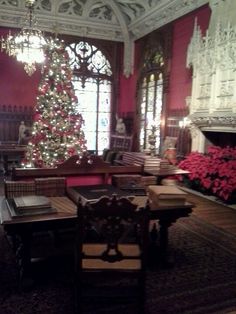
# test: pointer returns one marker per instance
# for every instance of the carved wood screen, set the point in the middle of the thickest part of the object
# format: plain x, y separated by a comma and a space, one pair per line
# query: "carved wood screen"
10, 119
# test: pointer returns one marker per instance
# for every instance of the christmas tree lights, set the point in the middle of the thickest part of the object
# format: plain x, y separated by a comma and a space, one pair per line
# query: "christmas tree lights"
57, 129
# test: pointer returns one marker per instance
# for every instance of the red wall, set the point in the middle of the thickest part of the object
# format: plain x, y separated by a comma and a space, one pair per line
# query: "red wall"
180, 76
127, 88
16, 87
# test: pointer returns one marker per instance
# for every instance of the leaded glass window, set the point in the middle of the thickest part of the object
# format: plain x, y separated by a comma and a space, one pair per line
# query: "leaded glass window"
151, 98
93, 86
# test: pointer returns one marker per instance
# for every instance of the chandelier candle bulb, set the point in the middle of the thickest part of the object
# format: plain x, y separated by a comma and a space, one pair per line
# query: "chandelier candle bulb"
28, 45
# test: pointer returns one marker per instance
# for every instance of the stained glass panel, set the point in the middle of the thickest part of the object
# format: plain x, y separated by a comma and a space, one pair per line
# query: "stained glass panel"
150, 108
151, 90
93, 92
103, 141
104, 122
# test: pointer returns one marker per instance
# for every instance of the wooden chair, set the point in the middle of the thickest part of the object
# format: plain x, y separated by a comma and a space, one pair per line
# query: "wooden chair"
111, 245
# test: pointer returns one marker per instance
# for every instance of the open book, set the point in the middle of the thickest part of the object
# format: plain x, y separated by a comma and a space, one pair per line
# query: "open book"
91, 193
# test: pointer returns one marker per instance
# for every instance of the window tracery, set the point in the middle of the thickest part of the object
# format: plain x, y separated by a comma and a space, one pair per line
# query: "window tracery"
151, 95
92, 81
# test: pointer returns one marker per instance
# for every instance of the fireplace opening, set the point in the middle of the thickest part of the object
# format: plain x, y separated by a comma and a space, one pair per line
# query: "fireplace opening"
222, 139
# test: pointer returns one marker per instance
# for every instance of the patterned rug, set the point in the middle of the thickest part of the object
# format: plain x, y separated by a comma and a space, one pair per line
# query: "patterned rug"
201, 281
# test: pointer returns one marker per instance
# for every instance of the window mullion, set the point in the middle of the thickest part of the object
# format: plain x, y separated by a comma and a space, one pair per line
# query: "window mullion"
97, 114
146, 110
91, 69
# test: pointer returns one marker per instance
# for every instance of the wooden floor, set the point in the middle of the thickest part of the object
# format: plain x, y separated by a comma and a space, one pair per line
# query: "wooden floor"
219, 215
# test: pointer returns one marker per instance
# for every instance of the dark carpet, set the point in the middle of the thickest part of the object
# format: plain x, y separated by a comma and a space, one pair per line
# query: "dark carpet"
202, 279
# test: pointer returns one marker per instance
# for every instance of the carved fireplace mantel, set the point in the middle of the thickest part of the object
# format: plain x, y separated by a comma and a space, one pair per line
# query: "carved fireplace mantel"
200, 124
212, 104
214, 122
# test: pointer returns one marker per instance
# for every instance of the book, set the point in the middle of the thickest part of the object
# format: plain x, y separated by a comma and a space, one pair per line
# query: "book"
166, 195
167, 202
15, 213
92, 193
27, 202
166, 192
52, 186
134, 190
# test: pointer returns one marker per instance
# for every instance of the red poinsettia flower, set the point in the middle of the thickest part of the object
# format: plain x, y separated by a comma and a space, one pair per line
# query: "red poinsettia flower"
214, 172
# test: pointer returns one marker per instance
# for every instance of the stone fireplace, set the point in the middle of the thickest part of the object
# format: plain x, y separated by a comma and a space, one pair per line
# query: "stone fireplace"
212, 104
206, 131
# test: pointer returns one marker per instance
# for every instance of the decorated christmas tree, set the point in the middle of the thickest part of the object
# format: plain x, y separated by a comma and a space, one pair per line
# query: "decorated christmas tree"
57, 128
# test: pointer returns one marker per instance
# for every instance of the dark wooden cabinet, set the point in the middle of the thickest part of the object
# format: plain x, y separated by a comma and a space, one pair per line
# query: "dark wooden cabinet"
121, 142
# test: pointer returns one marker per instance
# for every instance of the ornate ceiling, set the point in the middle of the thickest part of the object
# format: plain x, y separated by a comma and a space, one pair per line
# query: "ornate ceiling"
106, 19
118, 20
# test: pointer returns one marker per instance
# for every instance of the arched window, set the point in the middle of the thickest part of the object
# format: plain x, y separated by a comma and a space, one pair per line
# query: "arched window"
92, 81
150, 100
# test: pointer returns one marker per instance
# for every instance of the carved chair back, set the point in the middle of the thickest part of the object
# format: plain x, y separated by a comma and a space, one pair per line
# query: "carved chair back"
112, 236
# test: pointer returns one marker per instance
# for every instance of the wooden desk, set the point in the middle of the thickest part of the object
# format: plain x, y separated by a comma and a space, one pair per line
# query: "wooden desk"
21, 230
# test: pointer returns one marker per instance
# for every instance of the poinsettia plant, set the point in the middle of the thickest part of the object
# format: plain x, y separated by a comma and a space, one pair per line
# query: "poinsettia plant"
213, 172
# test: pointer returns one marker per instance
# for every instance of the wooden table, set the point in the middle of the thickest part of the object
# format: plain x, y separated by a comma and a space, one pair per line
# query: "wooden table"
22, 228
166, 216
160, 174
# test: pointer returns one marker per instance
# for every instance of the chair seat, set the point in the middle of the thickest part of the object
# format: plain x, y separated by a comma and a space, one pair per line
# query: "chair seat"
110, 253
131, 251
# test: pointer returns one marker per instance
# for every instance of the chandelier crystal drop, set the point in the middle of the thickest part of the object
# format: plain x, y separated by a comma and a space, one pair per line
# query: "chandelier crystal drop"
29, 44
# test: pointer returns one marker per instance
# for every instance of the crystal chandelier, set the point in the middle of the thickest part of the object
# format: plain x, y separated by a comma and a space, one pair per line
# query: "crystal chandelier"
28, 45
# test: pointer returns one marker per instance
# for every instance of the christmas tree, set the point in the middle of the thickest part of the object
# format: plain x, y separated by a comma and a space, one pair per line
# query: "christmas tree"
57, 129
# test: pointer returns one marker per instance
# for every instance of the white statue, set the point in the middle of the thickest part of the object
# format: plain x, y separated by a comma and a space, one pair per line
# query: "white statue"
120, 126
22, 129
24, 134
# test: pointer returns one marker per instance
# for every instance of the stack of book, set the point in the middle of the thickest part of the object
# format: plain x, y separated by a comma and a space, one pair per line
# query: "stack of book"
161, 195
29, 205
134, 158
121, 180
167, 166
152, 163
131, 158
148, 180
155, 163
148, 162
54, 186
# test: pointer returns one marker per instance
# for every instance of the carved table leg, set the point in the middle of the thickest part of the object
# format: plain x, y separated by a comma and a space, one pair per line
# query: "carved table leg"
23, 256
5, 165
164, 225
154, 234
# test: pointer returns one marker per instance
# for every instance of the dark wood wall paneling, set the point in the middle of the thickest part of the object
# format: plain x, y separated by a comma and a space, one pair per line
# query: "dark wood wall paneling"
10, 119
183, 144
